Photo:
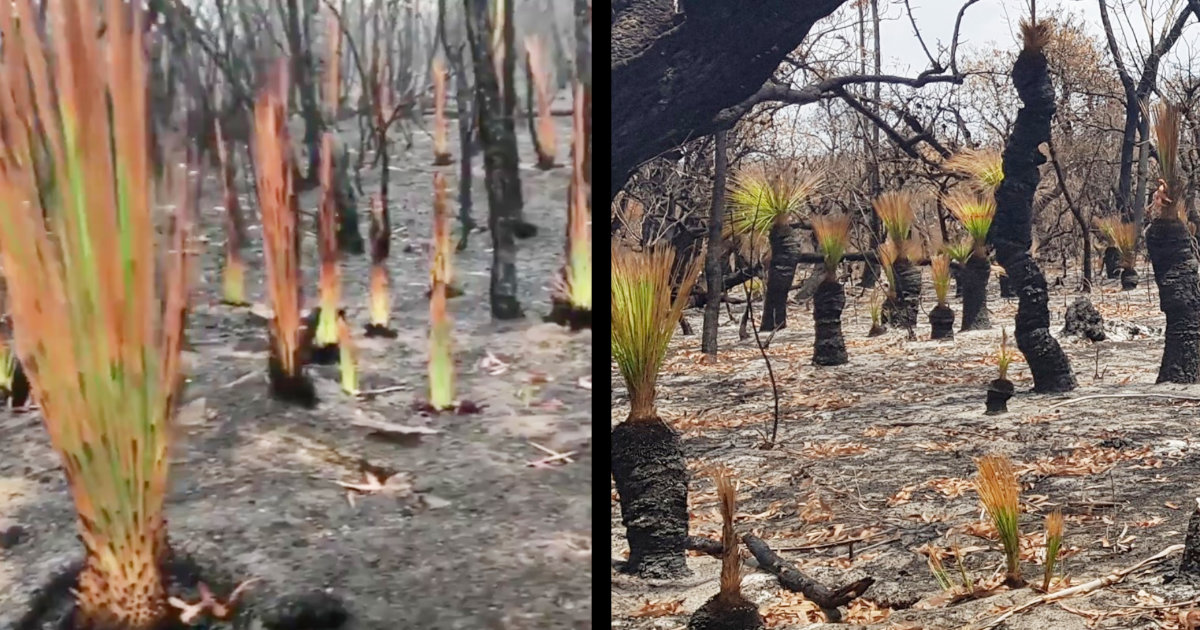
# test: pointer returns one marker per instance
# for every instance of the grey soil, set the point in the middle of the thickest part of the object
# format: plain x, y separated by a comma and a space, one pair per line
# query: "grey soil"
882, 448
479, 539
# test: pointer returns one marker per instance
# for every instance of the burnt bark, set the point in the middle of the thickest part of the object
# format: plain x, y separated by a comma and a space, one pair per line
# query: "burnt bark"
829, 348
673, 72
785, 255
998, 393
941, 322
794, 580
501, 178
303, 74
973, 279
1129, 279
726, 611
900, 311
651, 478
1112, 262
1189, 565
1082, 318
1169, 246
350, 240
713, 270
1010, 233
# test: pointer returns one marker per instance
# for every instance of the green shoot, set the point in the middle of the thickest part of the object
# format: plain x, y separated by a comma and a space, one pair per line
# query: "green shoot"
645, 311
896, 212
999, 491
975, 213
441, 360
761, 196
579, 238
833, 233
1054, 538
959, 252
940, 266
1003, 355
348, 359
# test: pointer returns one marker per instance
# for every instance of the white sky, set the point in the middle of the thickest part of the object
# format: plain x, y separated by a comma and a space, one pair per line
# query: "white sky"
993, 23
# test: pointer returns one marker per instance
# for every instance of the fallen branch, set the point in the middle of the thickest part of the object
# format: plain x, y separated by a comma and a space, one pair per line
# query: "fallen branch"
704, 545
1125, 395
793, 580
1082, 589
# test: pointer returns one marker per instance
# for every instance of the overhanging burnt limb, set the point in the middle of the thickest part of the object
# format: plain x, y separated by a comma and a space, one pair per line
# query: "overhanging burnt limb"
1169, 246
1011, 229
793, 580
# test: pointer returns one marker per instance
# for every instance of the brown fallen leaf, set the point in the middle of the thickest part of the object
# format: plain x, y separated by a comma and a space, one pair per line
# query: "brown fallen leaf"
658, 608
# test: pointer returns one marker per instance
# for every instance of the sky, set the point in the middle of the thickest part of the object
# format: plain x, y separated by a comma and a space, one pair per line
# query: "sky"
993, 23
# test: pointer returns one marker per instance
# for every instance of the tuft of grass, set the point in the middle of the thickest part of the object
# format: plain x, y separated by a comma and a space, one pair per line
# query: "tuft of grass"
645, 311
876, 308
233, 279
1003, 355
999, 491
277, 204
1169, 197
8, 366
760, 195
1036, 35
833, 234
1122, 235
939, 570
985, 167
975, 212
578, 273
441, 145
940, 266
960, 251
441, 360
541, 74
896, 212
379, 298
330, 280
1054, 538
98, 307
348, 357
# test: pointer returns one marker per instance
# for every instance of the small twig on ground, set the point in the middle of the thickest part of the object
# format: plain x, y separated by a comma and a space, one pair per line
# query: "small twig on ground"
554, 456
1081, 589
243, 379
1124, 395
366, 393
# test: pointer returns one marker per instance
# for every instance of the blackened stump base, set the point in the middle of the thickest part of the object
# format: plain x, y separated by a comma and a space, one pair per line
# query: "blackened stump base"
651, 478
1006, 288
998, 393
1189, 566
1169, 246
19, 395
1084, 320
829, 348
973, 279
1112, 262
1129, 279
876, 330
564, 313
296, 389
376, 330
941, 322
726, 612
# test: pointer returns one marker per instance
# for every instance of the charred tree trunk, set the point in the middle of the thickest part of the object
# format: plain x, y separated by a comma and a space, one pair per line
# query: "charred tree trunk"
651, 478
713, 270
785, 255
829, 348
466, 127
673, 72
1010, 233
303, 73
1112, 262
350, 240
1169, 246
941, 322
500, 166
900, 310
973, 279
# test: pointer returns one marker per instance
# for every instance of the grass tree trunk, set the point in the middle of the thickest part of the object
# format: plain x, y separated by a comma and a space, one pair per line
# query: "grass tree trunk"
900, 311
785, 255
973, 280
1169, 246
500, 166
829, 347
1010, 233
651, 478
941, 322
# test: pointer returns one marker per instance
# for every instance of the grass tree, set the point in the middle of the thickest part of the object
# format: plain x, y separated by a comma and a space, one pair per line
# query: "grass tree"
896, 213
975, 211
323, 320
1122, 238
281, 241
379, 295
1010, 234
441, 358
959, 253
98, 309
441, 144
728, 609
572, 298
829, 347
941, 318
1169, 245
1000, 493
647, 461
762, 201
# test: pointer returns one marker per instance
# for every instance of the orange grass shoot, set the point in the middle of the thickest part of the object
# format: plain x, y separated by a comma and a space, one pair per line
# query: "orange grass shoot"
975, 212
441, 148
379, 298
985, 167
330, 279
234, 275
277, 203
348, 357
939, 264
896, 212
98, 309
541, 74
999, 491
441, 360
1169, 197
833, 233
1054, 538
